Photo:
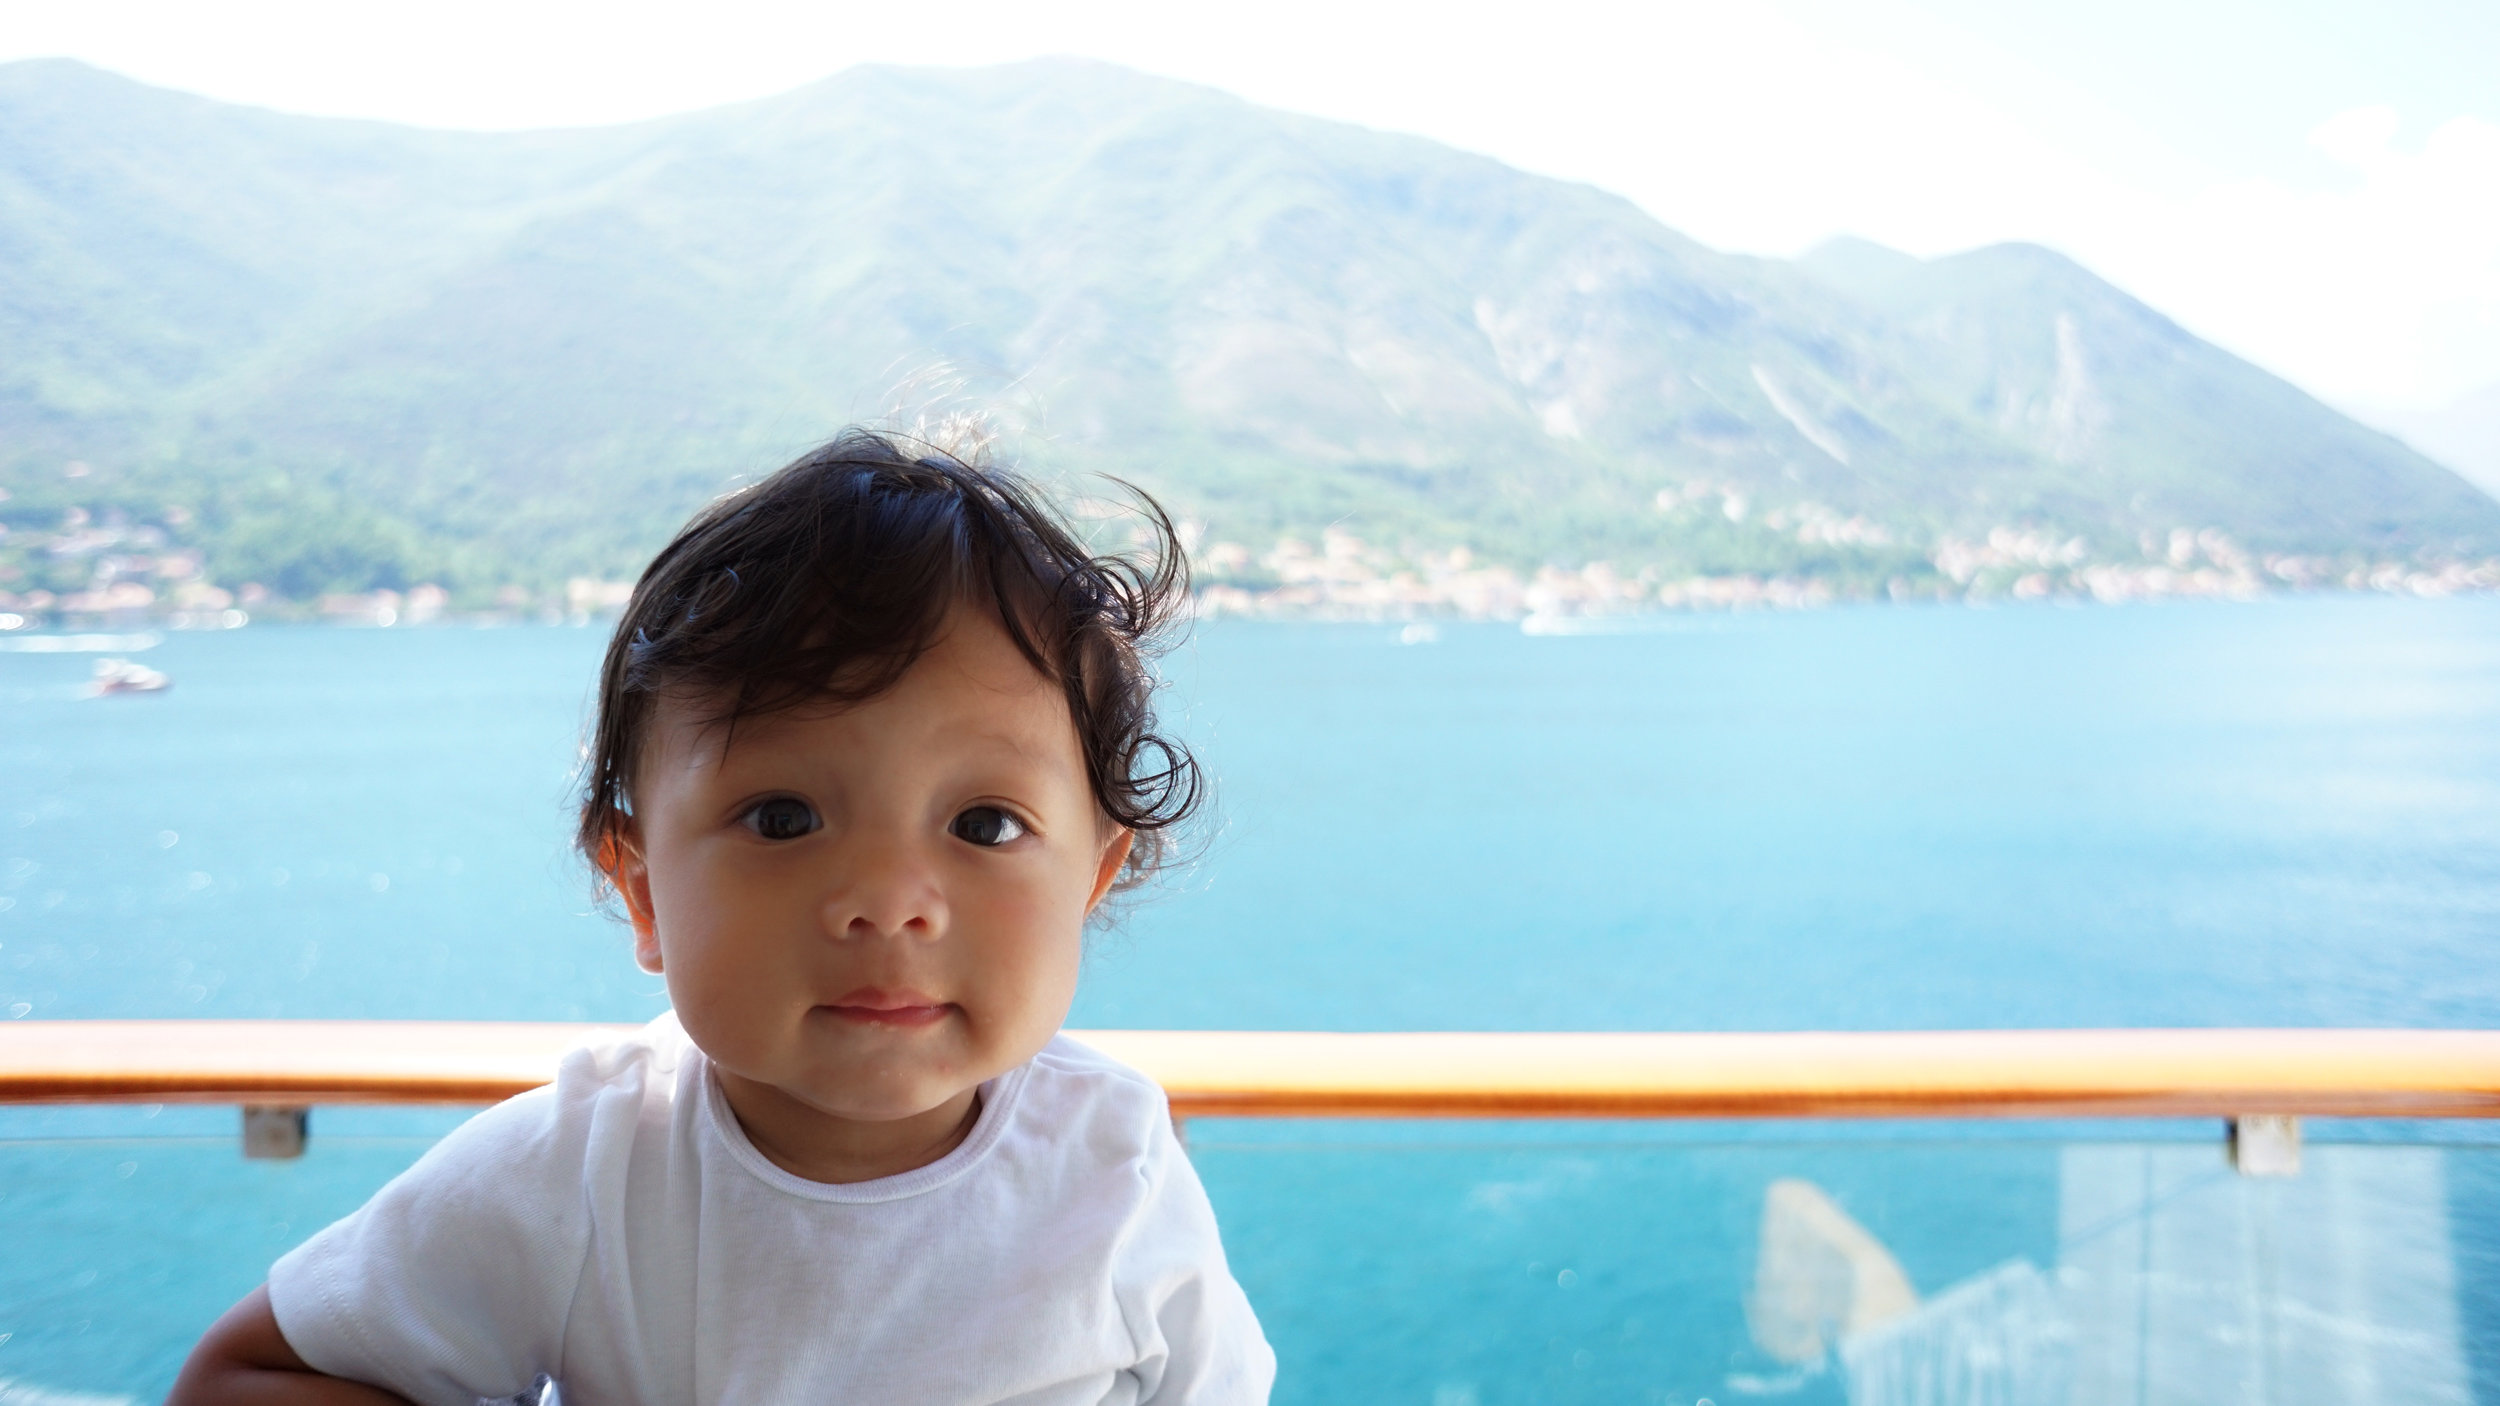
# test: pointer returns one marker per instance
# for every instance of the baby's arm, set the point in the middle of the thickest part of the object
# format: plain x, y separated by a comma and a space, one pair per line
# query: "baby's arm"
1203, 1339
243, 1360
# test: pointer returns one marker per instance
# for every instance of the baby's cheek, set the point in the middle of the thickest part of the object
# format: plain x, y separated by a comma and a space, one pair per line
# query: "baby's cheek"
1028, 971
1057, 956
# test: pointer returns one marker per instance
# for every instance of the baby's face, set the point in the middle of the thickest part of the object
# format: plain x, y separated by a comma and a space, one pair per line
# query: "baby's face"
864, 914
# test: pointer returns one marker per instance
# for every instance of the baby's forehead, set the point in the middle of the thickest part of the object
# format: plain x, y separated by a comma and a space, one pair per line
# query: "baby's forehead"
960, 697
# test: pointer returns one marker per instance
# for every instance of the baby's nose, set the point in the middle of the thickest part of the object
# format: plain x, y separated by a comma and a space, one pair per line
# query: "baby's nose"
862, 927
891, 897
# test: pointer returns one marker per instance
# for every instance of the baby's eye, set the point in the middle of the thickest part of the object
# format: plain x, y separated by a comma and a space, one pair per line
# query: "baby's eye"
781, 818
986, 826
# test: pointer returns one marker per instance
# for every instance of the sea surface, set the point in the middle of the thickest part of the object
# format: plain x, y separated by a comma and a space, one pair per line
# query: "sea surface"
2274, 813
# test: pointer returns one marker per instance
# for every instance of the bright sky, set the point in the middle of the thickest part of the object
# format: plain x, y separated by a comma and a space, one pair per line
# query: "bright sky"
2314, 185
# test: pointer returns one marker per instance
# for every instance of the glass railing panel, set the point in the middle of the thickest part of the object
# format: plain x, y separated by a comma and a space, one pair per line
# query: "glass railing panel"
121, 1248
2000, 1271
1453, 1264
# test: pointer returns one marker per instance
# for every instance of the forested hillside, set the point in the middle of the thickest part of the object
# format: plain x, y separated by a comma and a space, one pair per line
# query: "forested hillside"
313, 355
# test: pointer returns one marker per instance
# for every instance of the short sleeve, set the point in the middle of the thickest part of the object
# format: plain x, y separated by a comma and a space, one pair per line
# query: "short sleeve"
454, 1281
1199, 1341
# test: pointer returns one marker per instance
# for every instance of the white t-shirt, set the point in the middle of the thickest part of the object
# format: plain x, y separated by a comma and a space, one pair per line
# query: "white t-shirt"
617, 1231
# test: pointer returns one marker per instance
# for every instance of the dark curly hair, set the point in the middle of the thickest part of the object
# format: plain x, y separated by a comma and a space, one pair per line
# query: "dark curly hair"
824, 582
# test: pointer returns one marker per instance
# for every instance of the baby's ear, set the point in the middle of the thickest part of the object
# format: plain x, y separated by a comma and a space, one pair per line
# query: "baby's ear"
620, 858
1114, 856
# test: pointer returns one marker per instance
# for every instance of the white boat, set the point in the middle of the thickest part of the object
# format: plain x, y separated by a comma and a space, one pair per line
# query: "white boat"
123, 676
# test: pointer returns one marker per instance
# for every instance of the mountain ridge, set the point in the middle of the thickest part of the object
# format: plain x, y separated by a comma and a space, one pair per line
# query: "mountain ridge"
494, 358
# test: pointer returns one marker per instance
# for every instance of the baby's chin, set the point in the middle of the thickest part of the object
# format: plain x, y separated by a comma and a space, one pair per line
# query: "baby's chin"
885, 1086
879, 1070
884, 1098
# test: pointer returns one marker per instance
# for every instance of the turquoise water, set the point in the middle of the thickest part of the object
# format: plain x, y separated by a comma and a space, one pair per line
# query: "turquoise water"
2274, 813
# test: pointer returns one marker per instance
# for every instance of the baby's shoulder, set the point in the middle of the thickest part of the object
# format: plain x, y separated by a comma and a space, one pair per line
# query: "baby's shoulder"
454, 1281
637, 1061
1075, 1086
605, 1092
1070, 1063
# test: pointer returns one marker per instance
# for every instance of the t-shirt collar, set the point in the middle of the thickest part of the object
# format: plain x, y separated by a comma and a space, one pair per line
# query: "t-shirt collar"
998, 1102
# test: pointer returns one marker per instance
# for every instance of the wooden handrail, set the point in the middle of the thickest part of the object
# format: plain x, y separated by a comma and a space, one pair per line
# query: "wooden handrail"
1951, 1074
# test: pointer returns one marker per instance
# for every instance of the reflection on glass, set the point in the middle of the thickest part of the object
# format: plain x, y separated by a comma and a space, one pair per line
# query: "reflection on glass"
2176, 1280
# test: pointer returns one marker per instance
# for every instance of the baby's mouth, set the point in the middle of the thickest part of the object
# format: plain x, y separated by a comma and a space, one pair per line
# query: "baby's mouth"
877, 1006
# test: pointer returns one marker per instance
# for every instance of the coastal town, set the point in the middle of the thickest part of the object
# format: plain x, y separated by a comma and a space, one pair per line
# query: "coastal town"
1342, 577
135, 575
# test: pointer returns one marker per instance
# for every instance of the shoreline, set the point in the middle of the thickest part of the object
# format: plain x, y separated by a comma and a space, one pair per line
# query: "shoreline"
1700, 597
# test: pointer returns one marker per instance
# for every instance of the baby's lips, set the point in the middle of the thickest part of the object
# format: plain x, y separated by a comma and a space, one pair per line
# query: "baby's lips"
884, 998
904, 1008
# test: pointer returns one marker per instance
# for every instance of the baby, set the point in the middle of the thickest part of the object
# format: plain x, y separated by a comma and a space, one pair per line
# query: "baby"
875, 737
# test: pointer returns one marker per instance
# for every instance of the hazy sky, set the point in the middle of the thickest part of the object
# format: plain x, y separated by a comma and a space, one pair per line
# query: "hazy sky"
2316, 186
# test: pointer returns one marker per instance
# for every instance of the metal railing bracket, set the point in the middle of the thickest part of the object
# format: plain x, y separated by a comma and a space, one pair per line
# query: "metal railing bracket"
274, 1130
2266, 1144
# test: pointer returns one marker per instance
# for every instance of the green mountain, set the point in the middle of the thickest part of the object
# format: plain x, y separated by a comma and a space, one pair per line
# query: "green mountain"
331, 355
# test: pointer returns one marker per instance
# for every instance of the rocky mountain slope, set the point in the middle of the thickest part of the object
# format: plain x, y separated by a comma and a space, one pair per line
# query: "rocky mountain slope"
330, 355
